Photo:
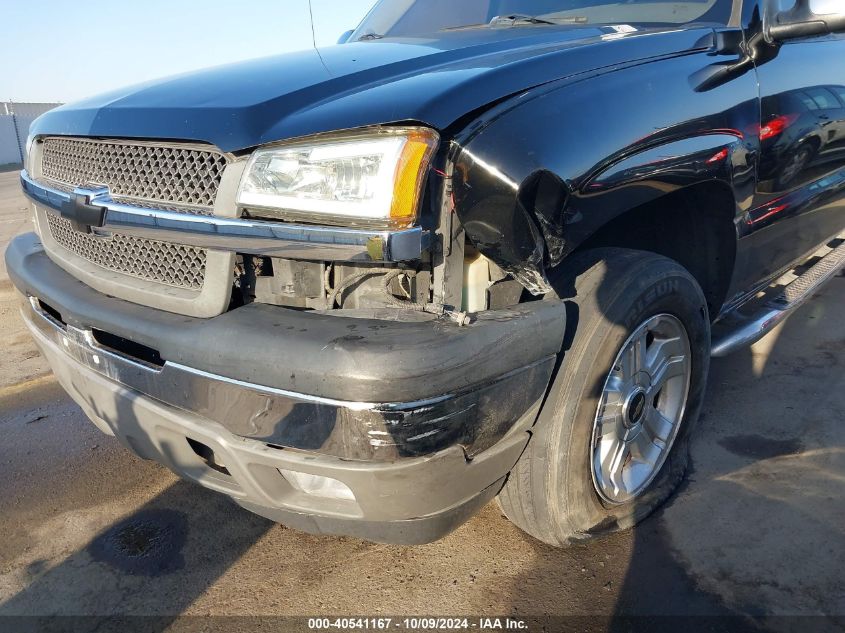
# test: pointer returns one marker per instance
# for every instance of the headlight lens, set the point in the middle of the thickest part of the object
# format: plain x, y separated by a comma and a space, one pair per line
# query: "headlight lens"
372, 177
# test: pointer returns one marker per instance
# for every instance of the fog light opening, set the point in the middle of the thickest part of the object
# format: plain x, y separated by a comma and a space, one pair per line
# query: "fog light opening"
318, 486
57, 316
207, 455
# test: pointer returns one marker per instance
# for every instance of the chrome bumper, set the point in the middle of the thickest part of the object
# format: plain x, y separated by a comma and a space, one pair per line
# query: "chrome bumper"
251, 237
407, 501
475, 419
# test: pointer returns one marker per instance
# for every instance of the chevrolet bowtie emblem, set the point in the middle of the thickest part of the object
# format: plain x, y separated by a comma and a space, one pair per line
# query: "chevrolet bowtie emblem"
83, 210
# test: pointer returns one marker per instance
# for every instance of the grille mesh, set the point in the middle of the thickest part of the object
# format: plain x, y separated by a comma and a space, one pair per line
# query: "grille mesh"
173, 174
171, 264
181, 178
163, 206
144, 204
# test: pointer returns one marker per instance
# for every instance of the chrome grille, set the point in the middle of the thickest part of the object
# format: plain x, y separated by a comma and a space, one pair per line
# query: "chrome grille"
144, 204
171, 174
159, 262
173, 177
163, 206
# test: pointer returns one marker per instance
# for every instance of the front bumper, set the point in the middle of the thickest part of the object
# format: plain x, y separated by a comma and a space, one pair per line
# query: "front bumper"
417, 465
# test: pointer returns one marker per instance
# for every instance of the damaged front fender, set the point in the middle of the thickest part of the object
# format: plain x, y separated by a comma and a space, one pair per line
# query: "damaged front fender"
532, 176
491, 207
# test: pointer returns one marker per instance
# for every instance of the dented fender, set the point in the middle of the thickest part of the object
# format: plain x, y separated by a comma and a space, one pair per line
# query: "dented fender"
535, 177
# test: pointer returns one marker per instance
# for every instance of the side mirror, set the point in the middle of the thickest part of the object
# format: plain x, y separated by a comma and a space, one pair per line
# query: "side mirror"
343, 39
805, 19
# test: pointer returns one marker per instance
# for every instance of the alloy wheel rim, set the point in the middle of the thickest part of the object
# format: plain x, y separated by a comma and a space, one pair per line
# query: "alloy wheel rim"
642, 406
796, 165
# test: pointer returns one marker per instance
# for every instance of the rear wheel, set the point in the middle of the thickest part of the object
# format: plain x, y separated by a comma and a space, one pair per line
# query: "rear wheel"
795, 164
611, 443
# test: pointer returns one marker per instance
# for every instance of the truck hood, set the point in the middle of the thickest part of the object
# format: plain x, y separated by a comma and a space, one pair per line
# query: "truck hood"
430, 81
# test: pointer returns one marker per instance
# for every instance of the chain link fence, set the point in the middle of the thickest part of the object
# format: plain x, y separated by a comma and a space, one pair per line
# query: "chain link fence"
15, 119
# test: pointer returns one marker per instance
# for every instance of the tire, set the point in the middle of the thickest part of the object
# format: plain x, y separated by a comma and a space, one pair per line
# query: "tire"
551, 493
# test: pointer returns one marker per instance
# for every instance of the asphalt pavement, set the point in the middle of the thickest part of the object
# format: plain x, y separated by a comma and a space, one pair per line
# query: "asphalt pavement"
758, 529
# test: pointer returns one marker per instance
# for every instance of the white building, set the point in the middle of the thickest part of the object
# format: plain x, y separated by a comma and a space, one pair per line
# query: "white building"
15, 119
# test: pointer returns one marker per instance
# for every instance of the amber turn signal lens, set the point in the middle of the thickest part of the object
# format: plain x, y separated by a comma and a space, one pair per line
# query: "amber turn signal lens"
410, 175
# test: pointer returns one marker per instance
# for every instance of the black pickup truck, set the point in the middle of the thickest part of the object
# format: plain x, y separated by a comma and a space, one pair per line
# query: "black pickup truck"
478, 249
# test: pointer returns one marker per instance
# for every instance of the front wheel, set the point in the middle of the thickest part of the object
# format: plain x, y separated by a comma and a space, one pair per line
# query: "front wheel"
611, 443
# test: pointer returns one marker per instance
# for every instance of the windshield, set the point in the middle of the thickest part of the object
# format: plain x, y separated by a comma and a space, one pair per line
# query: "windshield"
410, 18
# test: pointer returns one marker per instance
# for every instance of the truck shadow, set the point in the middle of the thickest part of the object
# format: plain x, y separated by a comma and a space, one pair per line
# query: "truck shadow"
157, 560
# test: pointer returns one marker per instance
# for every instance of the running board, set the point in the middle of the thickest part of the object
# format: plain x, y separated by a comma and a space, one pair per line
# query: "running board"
739, 330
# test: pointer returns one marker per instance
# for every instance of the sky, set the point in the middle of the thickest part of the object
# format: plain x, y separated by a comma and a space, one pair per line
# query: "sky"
65, 50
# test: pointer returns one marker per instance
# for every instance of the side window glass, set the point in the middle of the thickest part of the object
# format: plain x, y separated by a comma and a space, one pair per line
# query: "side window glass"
840, 92
824, 98
808, 101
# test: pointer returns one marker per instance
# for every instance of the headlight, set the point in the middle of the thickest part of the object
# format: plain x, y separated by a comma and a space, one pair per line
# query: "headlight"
373, 177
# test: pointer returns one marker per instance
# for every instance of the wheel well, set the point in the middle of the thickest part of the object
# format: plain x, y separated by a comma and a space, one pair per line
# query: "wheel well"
693, 226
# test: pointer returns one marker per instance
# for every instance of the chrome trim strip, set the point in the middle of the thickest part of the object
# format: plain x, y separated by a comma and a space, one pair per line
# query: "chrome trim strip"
168, 373
475, 418
300, 397
252, 237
